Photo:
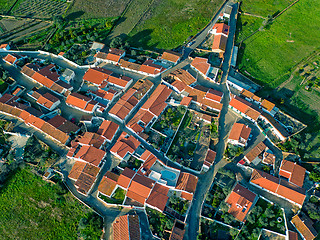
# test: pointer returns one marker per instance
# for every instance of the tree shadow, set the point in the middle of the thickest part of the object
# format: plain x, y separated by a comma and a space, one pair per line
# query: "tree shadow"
75, 15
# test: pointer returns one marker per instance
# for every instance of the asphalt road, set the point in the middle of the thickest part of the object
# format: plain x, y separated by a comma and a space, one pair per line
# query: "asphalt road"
205, 181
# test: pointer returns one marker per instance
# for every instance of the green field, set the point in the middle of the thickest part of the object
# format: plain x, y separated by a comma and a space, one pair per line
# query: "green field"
246, 25
96, 8
270, 54
5, 6
264, 7
34, 209
168, 23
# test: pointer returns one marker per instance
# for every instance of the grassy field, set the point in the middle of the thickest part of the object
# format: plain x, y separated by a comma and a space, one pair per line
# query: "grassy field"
246, 25
5, 6
34, 209
269, 55
96, 8
168, 23
264, 7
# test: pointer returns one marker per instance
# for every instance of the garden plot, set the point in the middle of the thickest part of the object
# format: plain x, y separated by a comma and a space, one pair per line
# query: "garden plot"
263, 215
40, 8
213, 230
184, 143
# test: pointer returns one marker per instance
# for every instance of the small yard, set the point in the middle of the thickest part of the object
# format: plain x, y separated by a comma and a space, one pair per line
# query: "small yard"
116, 198
156, 140
133, 163
263, 215
312, 208
160, 224
184, 144
213, 230
3, 86
233, 151
178, 204
39, 154
169, 121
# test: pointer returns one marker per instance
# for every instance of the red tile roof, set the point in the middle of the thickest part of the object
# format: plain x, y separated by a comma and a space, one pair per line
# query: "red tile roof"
293, 235
156, 102
125, 177
240, 201
81, 101
149, 67
90, 154
187, 182
158, 197
267, 105
278, 186
171, 56
219, 43
221, 28
91, 139
178, 230
186, 101
96, 75
294, 172
47, 100
107, 186
121, 81
305, 226
108, 129
126, 227
201, 64
256, 151
141, 186
10, 59
76, 170
238, 131
42, 80
183, 76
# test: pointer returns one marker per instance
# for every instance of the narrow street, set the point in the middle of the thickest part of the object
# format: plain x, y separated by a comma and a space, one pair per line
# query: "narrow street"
205, 180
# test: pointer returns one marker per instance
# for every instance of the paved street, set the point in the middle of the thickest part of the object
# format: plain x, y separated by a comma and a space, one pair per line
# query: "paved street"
205, 181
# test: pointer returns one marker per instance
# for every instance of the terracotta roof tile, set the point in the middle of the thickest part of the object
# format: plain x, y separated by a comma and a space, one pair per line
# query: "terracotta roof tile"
171, 56
157, 198
90, 154
121, 228
125, 177
267, 105
187, 182
107, 186
201, 64
76, 170
219, 43
240, 201
108, 129
256, 151
294, 172
96, 75
304, 225
183, 76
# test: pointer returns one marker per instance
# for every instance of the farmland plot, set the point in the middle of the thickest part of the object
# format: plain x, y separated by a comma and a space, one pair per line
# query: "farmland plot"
5, 6
40, 8
96, 8
9, 24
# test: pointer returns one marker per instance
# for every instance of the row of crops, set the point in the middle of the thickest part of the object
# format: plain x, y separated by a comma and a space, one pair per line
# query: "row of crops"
40, 8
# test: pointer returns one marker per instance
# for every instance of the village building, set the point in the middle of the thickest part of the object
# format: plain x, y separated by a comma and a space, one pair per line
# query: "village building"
239, 134
240, 201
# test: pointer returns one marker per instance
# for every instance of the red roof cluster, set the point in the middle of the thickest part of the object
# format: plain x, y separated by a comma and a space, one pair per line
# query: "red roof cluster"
85, 175
171, 56
151, 68
126, 227
87, 154
245, 107
240, 132
126, 144
47, 77
278, 186
107, 129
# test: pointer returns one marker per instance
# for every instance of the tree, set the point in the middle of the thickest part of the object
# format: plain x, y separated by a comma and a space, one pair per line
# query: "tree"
233, 232
116, 42
228, 218
251, 218
108, 24
255, 233
133, 52
263, 221
224, 206
269, 213
58, 21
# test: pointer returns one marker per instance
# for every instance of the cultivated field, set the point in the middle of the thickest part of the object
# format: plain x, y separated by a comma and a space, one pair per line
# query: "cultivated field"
167, 24
34, 209
269, 55
9, 24
247, 25
96, 8
130, 17
40, 8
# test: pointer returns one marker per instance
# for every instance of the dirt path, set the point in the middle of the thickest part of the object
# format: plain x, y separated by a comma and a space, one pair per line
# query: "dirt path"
252, 15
